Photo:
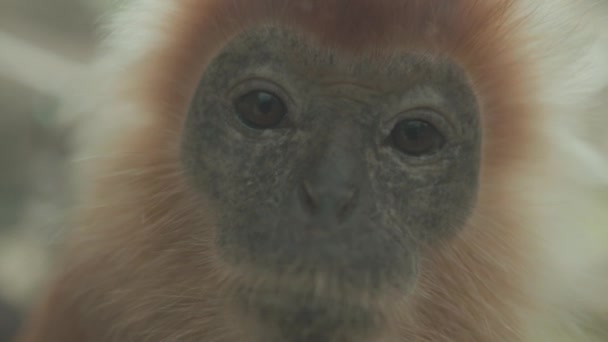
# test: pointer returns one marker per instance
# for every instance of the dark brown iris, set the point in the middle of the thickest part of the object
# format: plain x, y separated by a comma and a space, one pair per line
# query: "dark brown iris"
260, 109
416, 137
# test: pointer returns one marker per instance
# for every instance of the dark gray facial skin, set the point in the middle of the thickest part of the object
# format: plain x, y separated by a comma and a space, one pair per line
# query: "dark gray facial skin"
326, 194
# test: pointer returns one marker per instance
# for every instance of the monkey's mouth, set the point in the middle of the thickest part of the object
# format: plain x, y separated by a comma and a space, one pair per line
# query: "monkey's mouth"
318, 280
335, 264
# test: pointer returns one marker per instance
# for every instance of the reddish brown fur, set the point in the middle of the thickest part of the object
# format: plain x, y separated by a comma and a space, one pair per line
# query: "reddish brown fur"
469, 289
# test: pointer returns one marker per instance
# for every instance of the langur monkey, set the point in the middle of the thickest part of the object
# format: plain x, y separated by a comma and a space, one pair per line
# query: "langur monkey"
330, 171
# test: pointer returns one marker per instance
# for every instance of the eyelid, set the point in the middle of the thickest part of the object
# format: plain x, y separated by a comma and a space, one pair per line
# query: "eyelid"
258, 83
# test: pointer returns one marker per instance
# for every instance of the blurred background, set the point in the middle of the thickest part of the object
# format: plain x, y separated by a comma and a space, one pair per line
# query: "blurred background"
43, 45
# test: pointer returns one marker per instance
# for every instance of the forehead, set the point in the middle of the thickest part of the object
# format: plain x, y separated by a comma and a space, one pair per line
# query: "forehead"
282, 47
355, 24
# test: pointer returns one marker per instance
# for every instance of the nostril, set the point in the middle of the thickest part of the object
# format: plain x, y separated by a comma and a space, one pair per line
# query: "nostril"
307, 198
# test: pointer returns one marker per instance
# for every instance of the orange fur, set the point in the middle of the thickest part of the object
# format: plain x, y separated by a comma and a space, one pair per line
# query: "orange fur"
135, 221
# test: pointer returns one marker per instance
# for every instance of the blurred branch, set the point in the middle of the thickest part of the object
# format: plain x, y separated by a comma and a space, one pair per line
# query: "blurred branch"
37, 68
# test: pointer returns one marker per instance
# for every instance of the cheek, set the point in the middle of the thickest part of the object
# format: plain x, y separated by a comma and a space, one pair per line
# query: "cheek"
240, 174
428, 202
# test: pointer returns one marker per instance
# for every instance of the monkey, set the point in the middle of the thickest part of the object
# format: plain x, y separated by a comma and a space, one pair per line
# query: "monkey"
330, 171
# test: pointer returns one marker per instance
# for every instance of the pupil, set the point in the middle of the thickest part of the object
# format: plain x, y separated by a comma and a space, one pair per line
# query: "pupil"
265, 102
416, 130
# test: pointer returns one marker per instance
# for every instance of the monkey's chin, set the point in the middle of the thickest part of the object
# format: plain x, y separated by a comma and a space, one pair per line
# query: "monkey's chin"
288, 316
306, 308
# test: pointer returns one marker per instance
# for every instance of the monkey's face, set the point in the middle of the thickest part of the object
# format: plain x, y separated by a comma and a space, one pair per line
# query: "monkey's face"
329, 171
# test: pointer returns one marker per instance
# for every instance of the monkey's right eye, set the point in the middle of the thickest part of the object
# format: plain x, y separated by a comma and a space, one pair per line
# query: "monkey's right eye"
260, 109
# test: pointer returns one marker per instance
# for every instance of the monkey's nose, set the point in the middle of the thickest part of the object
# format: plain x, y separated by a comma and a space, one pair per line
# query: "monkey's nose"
336, 201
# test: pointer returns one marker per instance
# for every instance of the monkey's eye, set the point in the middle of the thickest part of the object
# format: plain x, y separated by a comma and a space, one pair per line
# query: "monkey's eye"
260, 109
416, 137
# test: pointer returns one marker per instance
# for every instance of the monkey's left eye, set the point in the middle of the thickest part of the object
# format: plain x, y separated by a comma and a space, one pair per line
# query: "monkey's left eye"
260, 109
417, 137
